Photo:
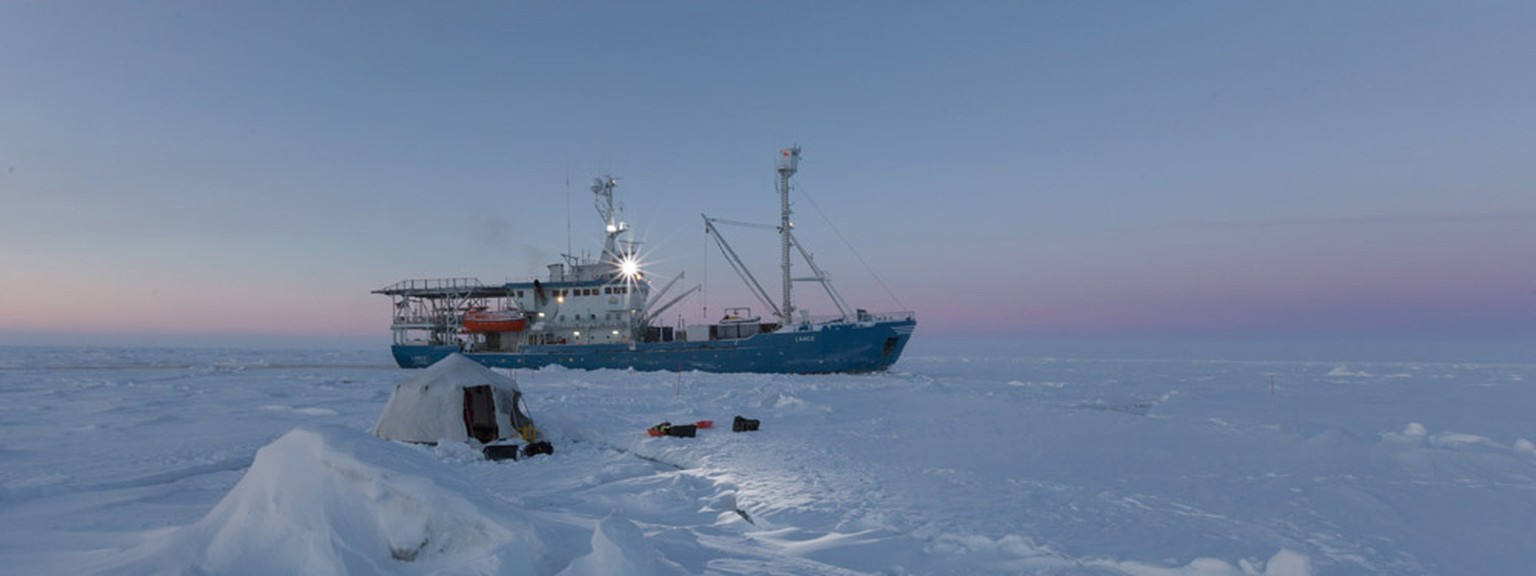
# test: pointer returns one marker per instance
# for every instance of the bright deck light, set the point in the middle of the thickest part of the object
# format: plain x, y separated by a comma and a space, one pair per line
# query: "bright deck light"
629, 267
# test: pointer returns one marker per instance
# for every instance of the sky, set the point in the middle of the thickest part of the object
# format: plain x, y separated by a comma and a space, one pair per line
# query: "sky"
1199, 170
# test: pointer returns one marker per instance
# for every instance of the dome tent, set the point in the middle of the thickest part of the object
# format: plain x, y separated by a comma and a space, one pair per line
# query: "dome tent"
455, 399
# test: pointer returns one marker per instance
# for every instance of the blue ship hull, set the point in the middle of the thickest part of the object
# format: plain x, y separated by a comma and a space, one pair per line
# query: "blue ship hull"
866, 347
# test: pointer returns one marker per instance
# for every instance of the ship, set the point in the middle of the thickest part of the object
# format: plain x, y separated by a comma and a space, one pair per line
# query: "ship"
601, 312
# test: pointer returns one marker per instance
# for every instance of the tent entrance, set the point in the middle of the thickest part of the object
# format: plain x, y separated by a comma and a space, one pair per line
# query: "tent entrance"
480, 413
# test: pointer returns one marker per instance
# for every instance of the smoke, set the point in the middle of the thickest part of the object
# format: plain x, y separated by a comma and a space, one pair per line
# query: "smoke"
502, 240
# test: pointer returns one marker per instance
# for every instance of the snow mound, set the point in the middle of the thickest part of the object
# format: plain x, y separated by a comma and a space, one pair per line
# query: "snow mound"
1413, 434
619, 547
1032, 384
1286, 562
1457, 440
330, 500
1345, 371
1524, 446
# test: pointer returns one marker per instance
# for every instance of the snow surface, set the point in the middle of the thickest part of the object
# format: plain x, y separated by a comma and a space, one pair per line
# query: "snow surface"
161, 461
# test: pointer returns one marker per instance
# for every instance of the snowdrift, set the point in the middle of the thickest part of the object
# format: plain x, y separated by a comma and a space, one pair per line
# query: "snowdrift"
618, 547
329, 500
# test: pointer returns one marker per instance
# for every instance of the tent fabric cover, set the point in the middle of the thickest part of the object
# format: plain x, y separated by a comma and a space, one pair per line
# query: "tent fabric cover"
429, 408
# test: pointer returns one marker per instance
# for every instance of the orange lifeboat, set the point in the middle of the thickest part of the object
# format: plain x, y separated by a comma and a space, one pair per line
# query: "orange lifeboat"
483, 321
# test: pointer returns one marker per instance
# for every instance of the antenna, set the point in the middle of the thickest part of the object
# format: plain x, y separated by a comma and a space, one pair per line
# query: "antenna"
567, 207
704, 294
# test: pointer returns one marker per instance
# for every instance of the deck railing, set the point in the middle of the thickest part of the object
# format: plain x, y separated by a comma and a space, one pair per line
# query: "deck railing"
867, 317
893, 316
432, 285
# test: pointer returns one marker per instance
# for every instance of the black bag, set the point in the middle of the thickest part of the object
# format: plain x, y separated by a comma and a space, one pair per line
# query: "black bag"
744, 425
501, 452
682, 430
536, 448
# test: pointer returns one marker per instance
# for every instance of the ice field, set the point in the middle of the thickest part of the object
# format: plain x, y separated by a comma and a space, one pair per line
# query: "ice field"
149, 461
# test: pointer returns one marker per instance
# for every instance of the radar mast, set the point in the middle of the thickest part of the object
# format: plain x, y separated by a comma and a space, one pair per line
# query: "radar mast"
602, 187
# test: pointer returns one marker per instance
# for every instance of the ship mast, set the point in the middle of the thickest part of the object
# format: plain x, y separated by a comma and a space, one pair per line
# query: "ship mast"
612, 226
789, 163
